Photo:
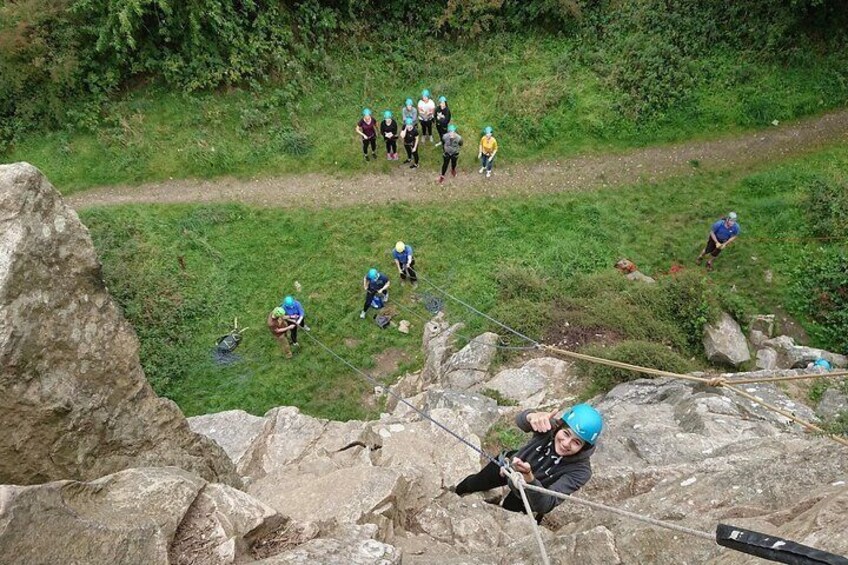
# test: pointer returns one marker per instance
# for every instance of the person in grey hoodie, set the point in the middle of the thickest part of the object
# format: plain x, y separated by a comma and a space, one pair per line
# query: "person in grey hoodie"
451, 142
555, 458
409, 111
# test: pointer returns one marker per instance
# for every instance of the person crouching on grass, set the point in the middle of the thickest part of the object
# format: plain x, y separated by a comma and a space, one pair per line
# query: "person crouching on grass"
555, 458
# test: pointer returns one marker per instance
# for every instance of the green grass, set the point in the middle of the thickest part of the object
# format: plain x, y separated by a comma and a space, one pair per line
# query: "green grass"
544, 100
517, 258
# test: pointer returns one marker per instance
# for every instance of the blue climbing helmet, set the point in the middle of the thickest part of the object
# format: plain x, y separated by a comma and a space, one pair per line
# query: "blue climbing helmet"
409, 121
488, 130
409, 102
366, 112
451, 128
823, 363
442, 99
288, 301
425, 93
387, 115
372, 274
585, 422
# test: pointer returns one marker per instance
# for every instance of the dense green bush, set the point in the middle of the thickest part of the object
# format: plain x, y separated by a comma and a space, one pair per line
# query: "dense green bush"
827, 208
643, 353
821, 292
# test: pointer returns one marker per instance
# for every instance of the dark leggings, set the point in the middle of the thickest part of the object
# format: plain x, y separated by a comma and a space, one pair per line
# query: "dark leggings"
442, 129
410, 154
427, 127
369, 296
409, 271
293, 332
391, 146
372, 142
488, 478
449, 159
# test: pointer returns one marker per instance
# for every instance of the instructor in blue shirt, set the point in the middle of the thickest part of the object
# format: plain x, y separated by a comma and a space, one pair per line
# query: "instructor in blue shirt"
722, 234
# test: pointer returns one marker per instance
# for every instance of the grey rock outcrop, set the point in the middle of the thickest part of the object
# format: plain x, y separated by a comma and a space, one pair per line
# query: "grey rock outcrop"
766, 358
791, 356
74, 402
150, 515
477, 411
833, 402
534, 383
470, 365
438, 339
234, 430
724, 342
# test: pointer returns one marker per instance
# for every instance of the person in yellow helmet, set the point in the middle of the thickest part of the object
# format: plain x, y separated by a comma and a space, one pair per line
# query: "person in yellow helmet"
402, 254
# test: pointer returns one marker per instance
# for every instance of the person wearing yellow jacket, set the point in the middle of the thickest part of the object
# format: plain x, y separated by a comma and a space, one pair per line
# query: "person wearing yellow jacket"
487, 151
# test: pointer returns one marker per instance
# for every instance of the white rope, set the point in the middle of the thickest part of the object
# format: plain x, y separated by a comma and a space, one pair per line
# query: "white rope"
518, 480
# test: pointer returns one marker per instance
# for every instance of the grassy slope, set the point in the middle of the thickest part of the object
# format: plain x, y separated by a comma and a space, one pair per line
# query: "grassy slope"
240, 262
543, 100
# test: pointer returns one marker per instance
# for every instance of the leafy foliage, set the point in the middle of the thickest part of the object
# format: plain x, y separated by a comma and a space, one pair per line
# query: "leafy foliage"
647, 354
827, 208
821, 292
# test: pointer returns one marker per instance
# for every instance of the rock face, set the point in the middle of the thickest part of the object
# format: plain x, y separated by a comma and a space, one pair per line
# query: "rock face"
833, 402
74, 403
724, 342
535, 383
151, 515
471, 364
791, 356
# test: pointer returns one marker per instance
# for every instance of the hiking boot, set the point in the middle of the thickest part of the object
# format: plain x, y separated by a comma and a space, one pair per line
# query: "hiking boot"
362, 315
488, 174
441, 179
482, 170
453, 172
413, 166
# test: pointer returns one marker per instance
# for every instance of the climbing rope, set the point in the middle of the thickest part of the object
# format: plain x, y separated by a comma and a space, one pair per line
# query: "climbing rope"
518, 480
757, 380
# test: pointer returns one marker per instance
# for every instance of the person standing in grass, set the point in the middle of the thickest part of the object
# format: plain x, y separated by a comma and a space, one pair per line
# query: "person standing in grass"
410, 142
409, 111
426, 113
374, 283
722, 233
452, 142
487, 151
389, 131
294, 315
443, 118
280, 326
367, 129
402, 254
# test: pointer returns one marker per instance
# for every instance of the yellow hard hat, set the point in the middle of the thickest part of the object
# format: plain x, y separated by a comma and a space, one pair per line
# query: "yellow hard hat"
400, 246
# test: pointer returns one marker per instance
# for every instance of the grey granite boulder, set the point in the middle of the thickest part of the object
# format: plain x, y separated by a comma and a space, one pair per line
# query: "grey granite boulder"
724, 342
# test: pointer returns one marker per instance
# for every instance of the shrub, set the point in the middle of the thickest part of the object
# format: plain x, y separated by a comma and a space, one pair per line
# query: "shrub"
603, 378
827, 208
820, 290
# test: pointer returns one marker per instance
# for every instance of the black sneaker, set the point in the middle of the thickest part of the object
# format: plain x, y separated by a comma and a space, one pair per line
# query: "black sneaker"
413, 166
407, 161
366, 157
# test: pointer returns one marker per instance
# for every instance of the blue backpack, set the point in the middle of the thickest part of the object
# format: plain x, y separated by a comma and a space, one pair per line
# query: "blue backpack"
378, 301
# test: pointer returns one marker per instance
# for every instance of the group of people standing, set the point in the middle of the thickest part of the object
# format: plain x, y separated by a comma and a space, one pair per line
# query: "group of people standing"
426, 114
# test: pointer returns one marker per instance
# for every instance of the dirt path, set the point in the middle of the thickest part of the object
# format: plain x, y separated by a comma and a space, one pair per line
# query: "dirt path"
573, 174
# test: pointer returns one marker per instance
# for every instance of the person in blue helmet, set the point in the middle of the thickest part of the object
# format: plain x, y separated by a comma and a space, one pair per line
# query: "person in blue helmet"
452, 143
443, 118
556, 458
295, 315
367, 130
426, 113
409, 134
409, 111
389, 131
374, 283
722, 233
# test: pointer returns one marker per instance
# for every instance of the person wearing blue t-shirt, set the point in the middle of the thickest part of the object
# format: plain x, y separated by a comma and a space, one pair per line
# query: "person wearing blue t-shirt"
294, 314
402, 254
374, 283
722, 234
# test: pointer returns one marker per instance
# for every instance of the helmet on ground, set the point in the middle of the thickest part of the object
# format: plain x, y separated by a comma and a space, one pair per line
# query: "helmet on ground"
288, 301
732, 216
409, 102
400, 246
387, 115
372, 274
408, 121
585, 422
442, 99
488, 130
366, 112
451, 128
425, 93
823, 363
278, 312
